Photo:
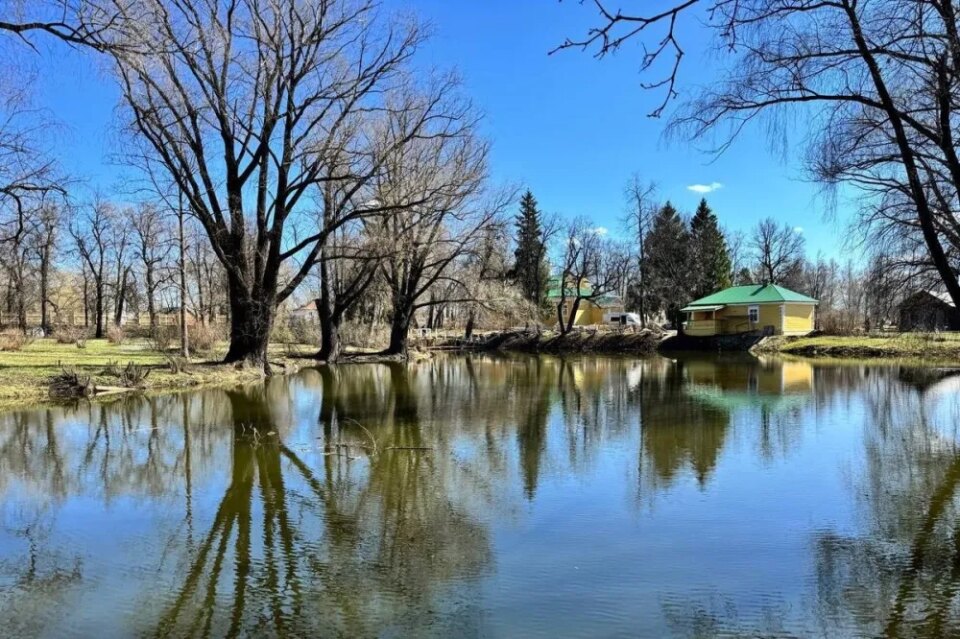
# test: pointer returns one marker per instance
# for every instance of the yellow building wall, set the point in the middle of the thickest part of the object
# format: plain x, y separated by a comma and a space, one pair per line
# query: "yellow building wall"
769, 316
798, 319
736, 319
588, 314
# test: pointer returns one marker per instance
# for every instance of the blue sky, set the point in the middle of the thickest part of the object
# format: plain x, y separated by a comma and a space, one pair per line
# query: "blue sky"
571, 128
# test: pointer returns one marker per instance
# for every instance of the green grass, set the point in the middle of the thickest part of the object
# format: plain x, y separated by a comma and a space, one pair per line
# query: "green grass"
928, 346
24, 374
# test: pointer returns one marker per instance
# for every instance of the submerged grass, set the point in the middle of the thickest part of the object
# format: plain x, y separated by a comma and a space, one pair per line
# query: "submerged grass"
25, 374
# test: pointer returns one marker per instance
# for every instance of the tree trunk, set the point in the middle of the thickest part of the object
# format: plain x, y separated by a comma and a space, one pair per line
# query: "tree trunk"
151, 303
99, 308
44, 292
468, 330
86, 301
182, 267
331, 348
21, 306
330, 319
121, 298
573, 315
399, 329
251, 318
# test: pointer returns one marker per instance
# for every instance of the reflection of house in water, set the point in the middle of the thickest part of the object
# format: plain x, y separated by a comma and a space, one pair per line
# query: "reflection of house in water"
687, 409
750, 382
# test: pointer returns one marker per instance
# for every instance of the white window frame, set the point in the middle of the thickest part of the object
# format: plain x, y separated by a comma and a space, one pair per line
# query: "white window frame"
753, 314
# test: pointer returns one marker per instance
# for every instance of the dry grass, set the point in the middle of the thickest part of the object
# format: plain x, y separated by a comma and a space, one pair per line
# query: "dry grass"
25, 374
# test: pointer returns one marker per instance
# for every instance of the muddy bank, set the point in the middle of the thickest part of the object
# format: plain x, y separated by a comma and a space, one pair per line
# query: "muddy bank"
531, 341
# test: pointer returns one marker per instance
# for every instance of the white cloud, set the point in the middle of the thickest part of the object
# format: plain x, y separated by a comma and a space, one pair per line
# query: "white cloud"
798, 230
601, 230
705, 188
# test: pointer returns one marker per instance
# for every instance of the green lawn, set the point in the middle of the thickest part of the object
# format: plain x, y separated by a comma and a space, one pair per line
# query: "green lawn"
24, 374
934, 346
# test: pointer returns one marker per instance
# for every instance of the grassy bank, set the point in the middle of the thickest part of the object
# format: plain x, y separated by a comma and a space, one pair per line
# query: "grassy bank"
25, 374
941, 347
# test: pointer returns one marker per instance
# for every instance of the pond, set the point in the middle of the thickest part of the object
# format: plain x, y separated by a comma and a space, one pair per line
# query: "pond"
491, 496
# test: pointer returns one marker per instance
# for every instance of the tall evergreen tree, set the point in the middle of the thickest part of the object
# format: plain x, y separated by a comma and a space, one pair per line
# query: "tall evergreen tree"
530, 267
669, 263
710, 260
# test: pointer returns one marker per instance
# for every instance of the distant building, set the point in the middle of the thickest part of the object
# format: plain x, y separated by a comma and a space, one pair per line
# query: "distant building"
589, 311
743, 309
928, 311
305, 314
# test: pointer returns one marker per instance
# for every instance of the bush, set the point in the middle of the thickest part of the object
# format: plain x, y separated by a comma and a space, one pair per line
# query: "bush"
133, 375
13, 339
281, 333
115, 335
305, 333
363, 335
204, 337
177, 364
162, 338
69, 334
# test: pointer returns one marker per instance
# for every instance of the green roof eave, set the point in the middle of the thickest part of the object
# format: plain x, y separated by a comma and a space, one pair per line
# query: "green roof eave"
752, 294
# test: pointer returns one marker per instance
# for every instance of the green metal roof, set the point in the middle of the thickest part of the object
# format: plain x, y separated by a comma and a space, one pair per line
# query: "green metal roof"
553, 288
753, 294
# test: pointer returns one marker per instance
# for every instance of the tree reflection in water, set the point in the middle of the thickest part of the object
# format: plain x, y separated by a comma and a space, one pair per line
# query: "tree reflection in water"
374, 499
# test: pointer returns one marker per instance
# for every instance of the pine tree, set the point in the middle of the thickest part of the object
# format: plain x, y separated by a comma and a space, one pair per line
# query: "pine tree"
710, 260
530, 267
668, 270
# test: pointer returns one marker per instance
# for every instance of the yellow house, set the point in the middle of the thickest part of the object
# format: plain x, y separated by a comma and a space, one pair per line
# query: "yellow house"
589, 311
768, 308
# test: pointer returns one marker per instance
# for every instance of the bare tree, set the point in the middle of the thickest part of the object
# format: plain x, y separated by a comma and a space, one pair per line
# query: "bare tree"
349, 265
592, 267
882, 93
243, 104
102, 25
778, 251
152, 245
92, 235
15, 242
46, 237
120, 245
640, 211
445, 175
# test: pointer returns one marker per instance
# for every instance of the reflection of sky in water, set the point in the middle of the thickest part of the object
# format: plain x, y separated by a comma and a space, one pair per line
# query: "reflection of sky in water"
506, 496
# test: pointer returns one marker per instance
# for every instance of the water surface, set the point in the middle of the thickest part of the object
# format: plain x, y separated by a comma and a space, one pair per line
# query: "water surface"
493, 496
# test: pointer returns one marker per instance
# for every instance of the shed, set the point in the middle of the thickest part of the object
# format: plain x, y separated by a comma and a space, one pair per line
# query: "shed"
744, 309
928, 311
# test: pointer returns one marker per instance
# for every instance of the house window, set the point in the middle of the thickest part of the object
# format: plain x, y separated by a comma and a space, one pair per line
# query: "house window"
754, 313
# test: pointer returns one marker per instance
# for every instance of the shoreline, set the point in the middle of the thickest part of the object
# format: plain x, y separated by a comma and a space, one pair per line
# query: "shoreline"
928, 347
25, 375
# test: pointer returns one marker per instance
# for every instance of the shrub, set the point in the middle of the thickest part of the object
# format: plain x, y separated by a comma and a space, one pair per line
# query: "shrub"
133, 375
177, 364
115, 335
13, 339
112, 369
204, 337
69, 334
162, 338
363, 335
305, 333
281, 332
